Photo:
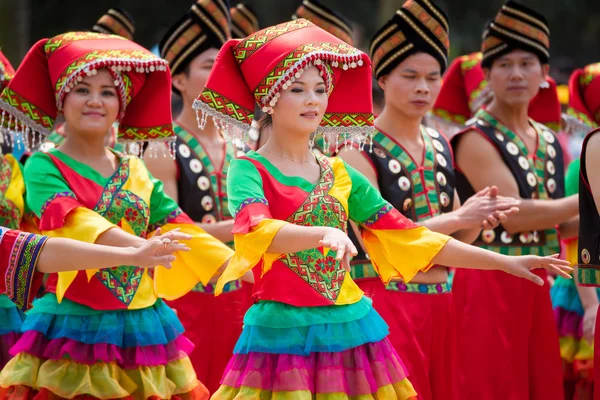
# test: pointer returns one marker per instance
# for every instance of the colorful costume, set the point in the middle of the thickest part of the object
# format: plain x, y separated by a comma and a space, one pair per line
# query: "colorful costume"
421, 316
509, 322
465, 90
212, 323
576, 352
102, 333
12, 189
589, 238
311, 332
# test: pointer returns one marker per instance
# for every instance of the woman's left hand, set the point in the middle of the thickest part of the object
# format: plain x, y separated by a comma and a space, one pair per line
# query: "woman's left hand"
521, 266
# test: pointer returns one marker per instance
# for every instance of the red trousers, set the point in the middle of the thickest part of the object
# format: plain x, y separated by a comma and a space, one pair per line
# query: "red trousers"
597, 358
508, 345
422, 330
214, 325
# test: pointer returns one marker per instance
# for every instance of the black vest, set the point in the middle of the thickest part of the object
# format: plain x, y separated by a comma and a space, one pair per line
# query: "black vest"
542, 177
418, 192
589, 227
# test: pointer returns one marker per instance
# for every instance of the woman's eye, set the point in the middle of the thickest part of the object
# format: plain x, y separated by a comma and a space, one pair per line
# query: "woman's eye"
296, 90
81, 90
108, 93
320, 91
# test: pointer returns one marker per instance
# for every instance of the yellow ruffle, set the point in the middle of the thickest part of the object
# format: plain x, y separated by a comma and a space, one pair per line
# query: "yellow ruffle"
250, 248
200, 264
404, 252
402, 390
16, 186
67, 378
572, 349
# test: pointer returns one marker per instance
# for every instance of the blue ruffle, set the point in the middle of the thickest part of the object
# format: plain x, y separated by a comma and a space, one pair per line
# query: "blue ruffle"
11, 319
156, 325
564, 295
306, 339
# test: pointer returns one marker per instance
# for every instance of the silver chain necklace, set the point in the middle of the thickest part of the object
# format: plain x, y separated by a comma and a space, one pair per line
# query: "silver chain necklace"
284, 156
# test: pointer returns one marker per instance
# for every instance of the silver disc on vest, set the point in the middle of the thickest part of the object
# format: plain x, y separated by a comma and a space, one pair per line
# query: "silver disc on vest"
548, 136
184, 151
203, 183
441, 178
407, 204
512, 148
585, 256
441, 159
499, 136
433, 133
551, 185
380, 153
488, 235
523, 163
394, 166
195, 165
438, 145
526, 237
506, 238
207, 203
551, 151
550, 167
209, 219
531, 179
536, 236
404, 183
444, 199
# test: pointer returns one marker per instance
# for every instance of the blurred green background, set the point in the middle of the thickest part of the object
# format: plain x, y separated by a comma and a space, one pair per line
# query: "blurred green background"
575, 24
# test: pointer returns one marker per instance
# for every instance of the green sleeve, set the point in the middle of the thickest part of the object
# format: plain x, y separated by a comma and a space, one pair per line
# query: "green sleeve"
365, 200
572, 178
44, 182
244, 185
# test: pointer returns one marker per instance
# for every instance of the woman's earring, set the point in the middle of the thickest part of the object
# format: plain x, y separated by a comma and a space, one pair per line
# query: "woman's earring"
311, 142
545, 84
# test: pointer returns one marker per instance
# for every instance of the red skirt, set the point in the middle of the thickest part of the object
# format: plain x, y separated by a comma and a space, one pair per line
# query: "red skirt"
422, 331
508, 344
214, 325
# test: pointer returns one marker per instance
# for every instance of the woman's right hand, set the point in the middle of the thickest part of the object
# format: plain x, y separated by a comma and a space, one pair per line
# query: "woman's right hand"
157, 251
338, 241
486, 209
522, 266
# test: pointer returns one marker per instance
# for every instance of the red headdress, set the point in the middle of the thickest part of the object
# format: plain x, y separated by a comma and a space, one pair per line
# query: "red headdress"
258, 68
584, 95
465, 90
53, 67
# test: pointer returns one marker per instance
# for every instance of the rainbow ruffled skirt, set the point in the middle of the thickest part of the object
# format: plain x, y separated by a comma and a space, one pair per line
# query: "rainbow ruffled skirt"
10, 328
328, 353
68, 350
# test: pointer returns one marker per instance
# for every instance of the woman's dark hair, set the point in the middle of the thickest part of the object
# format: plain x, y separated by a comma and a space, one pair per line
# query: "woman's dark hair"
264, 122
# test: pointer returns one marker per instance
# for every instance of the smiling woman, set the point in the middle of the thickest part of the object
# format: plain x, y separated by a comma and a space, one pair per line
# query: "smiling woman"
87, 192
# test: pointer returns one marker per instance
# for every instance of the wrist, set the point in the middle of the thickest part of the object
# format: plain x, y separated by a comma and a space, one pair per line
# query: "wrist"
458, 220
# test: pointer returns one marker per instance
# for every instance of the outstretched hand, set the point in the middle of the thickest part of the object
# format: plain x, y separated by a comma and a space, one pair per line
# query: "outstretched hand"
339, 242
159, 249
521, 266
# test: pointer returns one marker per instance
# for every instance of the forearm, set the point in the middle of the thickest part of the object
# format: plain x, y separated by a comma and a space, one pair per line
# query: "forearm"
220, 230
460, 255
294, 238
59, 255
117, 237
467, 236
542, 214
447, 224
569, 229
587, 294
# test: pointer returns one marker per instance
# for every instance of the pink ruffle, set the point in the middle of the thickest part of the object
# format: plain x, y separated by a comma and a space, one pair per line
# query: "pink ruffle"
37, 344
569, 323
6, 342
357, 371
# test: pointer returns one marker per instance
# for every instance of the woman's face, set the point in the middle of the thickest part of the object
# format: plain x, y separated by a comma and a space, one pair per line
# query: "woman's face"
412, 87
301, 107
92, 106
515, 78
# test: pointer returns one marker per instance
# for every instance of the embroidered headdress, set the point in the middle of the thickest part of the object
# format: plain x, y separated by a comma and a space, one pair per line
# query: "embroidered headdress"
516, 27
465, 90
584, 95
244, 21
52, 67
419, 26
206, 25
116, 21
258, 68
326, 19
